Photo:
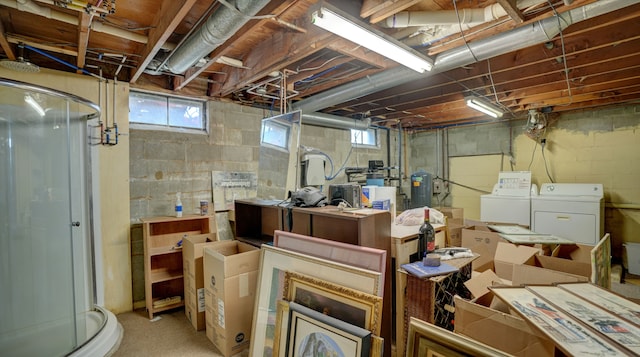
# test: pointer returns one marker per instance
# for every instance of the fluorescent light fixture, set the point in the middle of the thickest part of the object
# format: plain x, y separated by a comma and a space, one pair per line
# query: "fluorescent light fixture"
32, 102
345, 26
484, 106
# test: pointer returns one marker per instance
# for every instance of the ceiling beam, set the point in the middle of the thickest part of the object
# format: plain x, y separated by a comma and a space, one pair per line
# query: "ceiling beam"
4, 43
276, 53
171, 13
512, 10
371, 6
84, 21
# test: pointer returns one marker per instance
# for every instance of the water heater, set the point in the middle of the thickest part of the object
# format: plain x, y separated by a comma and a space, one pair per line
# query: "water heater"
421, 189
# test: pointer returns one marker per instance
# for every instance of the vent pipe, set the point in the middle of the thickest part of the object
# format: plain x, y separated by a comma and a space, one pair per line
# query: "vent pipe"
218, 28
519, 38
334, 121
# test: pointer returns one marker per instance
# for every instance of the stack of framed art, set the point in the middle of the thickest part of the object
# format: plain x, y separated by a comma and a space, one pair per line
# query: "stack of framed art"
580, 318
322, 300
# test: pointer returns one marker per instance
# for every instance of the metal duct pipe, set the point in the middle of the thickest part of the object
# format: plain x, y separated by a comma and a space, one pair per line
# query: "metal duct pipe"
218, 28
539, 32
335, 122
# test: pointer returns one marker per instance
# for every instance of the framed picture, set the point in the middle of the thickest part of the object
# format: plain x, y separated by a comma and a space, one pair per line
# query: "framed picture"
359, 256
274, 262
616, 304
349, 305
425, 339
625, 334
312, 333
601, 262
570, 336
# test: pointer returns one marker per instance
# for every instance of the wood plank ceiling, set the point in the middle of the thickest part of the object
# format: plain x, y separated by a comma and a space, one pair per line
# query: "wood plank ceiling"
279, 59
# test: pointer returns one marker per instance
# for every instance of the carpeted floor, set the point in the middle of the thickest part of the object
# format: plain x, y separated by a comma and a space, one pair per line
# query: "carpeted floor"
170, 334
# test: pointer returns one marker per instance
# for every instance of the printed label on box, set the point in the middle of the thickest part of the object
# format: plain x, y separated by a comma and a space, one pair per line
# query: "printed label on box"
221, 313
201, 304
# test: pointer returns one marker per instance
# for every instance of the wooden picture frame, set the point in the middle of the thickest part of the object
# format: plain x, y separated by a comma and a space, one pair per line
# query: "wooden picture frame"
606, 299
349, 305
274, 262
359, 256
570, 336
425, 339
311, 332
625, 334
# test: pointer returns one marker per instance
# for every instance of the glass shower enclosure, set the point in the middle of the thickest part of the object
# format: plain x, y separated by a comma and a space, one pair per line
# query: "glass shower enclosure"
47, 288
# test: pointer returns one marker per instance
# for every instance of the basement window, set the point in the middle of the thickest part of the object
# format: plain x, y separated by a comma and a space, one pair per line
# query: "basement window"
167, 111
367, 138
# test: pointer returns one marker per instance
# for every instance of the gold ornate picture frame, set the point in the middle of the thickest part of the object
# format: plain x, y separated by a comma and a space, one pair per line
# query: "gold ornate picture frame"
350, 305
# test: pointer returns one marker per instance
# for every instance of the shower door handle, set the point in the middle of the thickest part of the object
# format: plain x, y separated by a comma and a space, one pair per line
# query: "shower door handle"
75, 224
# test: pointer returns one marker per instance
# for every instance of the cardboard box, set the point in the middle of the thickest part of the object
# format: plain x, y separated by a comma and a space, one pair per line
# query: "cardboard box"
569, 258
499, 330
454, 215
532, 275
230, 275
192, 266
455, 235
481, 240
507, 255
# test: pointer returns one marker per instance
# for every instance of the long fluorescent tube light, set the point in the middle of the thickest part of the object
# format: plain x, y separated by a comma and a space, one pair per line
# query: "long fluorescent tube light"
348, 28
32, 102
484, 106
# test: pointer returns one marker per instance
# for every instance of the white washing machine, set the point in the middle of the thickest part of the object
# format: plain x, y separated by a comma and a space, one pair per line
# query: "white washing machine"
570, 210
510, 200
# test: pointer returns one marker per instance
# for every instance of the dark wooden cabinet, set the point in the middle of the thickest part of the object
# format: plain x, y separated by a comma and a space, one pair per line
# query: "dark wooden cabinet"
256, 221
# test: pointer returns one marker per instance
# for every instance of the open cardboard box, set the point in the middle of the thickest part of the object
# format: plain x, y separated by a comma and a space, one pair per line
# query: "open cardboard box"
573, 259
487, 320
192, 266
508, 255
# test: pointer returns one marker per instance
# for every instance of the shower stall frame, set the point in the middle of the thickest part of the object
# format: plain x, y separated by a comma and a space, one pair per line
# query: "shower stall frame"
93, 330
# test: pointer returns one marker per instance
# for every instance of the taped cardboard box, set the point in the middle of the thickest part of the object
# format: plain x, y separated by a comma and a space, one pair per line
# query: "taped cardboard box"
230, 275
192, 266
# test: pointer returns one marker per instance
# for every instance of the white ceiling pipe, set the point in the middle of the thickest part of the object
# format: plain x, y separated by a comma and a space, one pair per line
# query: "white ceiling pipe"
450, 17
445, 17
335, 122
522, 37
218, 28
33, 8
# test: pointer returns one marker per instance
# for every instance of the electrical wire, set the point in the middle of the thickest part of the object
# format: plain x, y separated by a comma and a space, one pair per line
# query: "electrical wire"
533, 154
462, 31
564, 55
545, 163
465, 186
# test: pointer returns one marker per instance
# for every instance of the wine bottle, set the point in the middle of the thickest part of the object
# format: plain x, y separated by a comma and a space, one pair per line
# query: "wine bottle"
426, 237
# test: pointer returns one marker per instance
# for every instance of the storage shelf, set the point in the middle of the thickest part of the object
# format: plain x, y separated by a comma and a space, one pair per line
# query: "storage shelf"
164, 250
168, 307
163, 267
160, 276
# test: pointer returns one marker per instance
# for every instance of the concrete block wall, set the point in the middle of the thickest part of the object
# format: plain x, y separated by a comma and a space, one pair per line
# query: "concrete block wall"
601, 146
165, 162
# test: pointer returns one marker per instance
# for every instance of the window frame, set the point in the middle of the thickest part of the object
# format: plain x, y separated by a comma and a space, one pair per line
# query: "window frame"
363, 145
168, 127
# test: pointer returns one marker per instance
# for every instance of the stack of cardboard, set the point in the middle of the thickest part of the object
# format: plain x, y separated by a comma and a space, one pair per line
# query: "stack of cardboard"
484, 318
192, 266
230, 276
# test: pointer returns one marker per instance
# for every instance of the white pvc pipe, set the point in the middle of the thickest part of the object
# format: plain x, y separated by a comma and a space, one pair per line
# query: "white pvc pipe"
445, 17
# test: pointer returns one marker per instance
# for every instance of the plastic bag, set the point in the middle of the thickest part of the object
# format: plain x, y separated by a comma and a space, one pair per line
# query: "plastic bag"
415, 217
